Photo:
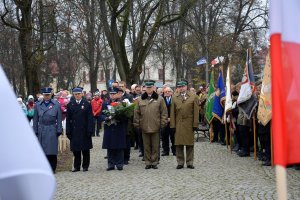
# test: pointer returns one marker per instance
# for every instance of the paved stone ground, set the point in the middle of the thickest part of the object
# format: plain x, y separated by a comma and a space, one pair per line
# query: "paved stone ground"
217, 175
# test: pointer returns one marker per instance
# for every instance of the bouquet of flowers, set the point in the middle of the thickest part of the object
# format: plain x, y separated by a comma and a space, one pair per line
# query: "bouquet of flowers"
117, 111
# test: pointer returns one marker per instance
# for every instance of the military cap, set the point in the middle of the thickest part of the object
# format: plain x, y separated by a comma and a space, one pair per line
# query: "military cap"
181, 83
149, 83
77, 90
46, 90
113, 90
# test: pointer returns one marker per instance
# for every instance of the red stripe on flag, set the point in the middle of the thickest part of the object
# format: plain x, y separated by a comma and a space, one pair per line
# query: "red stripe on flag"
291, 77
279, 134
286, 101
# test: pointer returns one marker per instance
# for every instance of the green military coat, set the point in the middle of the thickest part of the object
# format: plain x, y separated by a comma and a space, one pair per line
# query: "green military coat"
184, 116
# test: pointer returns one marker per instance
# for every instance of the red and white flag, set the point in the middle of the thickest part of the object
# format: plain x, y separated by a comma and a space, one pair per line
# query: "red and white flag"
285, 52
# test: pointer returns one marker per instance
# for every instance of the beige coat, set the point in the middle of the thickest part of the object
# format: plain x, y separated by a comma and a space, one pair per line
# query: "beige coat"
150, 114
184, 116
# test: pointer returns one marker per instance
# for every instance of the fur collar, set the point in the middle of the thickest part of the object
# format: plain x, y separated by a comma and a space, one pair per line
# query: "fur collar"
153, 96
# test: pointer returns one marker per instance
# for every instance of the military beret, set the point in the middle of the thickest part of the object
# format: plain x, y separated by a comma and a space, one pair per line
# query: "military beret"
149, 83
46, 90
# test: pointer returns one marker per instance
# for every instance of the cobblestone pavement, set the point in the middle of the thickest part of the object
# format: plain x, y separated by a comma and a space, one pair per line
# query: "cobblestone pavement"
217, 175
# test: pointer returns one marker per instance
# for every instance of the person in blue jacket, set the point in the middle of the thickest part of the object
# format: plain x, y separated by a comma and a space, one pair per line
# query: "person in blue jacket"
47, 125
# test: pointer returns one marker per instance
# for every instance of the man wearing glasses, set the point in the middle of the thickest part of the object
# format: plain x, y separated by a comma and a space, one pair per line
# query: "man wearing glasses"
168, 133
79, 129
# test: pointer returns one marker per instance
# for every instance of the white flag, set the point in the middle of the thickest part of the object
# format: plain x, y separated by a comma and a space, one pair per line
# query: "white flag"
24, 171
228, 101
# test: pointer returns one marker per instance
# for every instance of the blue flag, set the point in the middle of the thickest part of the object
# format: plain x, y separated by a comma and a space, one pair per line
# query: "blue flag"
201, 61
218, 109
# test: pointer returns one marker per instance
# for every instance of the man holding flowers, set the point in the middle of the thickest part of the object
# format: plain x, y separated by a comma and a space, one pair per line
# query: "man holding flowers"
115, 113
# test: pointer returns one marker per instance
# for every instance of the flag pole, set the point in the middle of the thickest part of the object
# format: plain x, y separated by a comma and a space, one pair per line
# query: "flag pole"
271, 144
230, 115
254, 135
226, 132
281, 182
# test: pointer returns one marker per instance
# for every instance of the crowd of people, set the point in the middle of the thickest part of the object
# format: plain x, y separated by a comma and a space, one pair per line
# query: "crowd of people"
163, 122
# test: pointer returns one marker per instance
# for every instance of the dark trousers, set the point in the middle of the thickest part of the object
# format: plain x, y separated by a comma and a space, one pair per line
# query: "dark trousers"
245, 138
97, 122
85, 159
237, 137
265, 139
115, 157
52, 161
218, 127
168, 134
127, 150
141, 144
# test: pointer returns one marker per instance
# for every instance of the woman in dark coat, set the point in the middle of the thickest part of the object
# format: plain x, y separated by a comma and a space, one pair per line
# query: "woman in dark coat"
114, 138
79, 129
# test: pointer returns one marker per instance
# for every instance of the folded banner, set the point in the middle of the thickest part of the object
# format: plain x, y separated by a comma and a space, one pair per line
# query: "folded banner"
24, 172
210, 99
264, 113
285, 51
219, 98
247, 99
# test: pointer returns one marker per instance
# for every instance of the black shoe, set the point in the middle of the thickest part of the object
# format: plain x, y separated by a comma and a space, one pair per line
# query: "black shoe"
120, 168
223, 143
126, 162
165, 154
110, 168
75, 170
267, 163
148, 167
154, 166
297, 167
235, 148
243, 154
179, 167
214, 141
191, 167
85, 169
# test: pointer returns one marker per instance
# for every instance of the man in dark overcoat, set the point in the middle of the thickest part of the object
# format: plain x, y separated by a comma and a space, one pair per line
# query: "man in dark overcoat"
79, 129
114, 137
47, 125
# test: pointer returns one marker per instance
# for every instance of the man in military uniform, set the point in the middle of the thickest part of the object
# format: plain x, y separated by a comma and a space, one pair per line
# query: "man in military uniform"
185, 120
150, 116
79, 129
47, 125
